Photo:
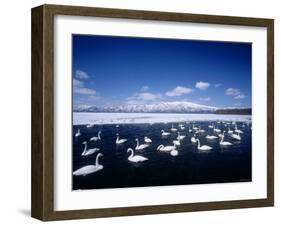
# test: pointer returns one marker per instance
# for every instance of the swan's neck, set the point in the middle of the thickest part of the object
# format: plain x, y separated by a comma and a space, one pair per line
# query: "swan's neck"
198, 143
97, 160
117, 139
85, 147
132, 153
137, 143
99, 136
222, 138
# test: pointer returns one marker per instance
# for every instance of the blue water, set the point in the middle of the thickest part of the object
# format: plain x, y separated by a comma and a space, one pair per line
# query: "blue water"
191, 166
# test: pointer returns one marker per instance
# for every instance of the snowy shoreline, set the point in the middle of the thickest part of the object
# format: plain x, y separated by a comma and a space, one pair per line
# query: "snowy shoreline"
83, 118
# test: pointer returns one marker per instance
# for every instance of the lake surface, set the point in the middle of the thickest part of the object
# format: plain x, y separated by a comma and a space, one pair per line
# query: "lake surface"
191, 166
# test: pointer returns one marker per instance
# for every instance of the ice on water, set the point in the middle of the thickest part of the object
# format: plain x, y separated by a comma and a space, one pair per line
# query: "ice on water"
83, 118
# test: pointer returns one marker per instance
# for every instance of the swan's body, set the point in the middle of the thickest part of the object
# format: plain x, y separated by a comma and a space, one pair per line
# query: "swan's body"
230, 131
211, 126
180, 137
217, 130
90, 125
120, 141
147, 140
165, 148
203, 147
140, 147
174, 152
193, 139
211, 137
97, 137
220, 135
224, 143
236, 136
238, 130
78, 133
174, 129
85, 170
165, 133
177, 142
87, 152
135, 158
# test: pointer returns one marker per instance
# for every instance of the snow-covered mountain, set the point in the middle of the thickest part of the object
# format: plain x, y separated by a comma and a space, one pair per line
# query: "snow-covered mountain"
161, 107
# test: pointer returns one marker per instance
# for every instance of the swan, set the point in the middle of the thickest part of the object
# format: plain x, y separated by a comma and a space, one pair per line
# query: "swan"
201, 130
211, 126
96, 138
181, 126
224, 143
85, 170
177, 142
78, 133
217, 130
189, 130
211, 137
180, 137
174, 129
135, 158
237, 130
163, 148
90, 125
147, 140
121, 141
165, 133
87, 152
194, 128
236, 136
204, 147
140, 147
230, 131
193, 139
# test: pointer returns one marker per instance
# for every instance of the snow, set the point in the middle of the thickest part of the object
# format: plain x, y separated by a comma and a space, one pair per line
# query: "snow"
83, 118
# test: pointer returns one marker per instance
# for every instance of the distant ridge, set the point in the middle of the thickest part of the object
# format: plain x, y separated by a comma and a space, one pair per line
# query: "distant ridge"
161, 107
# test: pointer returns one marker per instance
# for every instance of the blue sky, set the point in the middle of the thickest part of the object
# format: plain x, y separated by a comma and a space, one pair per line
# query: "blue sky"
109, 71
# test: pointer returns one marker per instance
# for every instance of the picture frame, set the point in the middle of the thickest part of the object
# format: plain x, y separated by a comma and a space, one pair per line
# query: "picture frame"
43, 108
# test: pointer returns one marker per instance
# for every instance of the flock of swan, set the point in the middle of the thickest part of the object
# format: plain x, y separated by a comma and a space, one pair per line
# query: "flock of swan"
232, 130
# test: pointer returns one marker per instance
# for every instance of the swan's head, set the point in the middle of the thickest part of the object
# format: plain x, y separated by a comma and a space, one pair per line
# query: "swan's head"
162, 131
145, 137
129, 149
137, 139
117, 134
85, 142
99, 132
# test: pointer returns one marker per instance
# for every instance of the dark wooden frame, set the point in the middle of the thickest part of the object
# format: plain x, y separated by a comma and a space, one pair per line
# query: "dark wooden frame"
42, 203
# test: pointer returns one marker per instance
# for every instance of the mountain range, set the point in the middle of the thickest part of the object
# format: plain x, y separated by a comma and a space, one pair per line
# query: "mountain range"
161, 107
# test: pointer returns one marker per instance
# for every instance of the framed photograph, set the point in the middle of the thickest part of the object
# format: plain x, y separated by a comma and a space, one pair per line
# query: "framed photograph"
141, 112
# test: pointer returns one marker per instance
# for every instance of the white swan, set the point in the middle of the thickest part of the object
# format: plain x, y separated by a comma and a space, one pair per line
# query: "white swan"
90, 125
174, 129
78, 133
96, 138
87, 152
211, 126
201, 130
193, 139
140, 147
147, 140
121, 141
224, 143
236, 136
177, 142
189, 130
165, 133
237, 130
203, 147
163, 148
230, 131
194, 128
211, 137
85, 170
180, 137
217, 130
135, 158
